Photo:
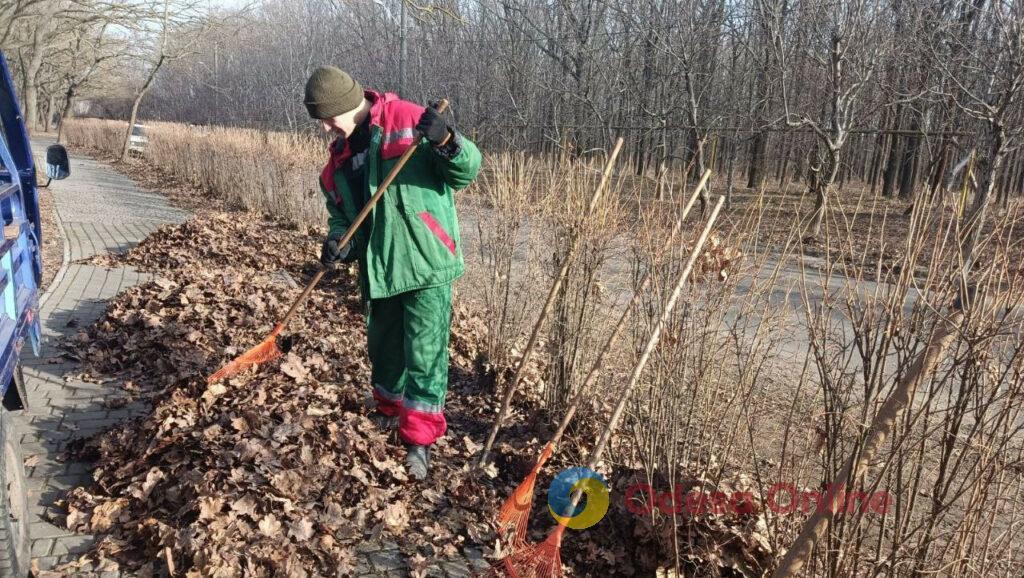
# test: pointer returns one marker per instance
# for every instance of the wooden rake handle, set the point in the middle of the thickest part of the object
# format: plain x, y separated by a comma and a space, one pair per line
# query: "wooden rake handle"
351, 232
652, 342
585, 391
524, 359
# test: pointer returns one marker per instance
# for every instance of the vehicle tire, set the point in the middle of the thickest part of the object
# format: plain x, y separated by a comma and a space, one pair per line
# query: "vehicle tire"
15, 544
15, 398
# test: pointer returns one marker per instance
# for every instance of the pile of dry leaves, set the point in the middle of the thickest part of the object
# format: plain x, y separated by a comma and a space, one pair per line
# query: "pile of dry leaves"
279, 470
274, 468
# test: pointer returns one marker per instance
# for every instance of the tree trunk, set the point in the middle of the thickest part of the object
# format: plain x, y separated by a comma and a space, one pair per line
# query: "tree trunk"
758, 144
755, 171
988, 165
940, 168
65, 111
1010, 171
1015, 177
821, 185
40, 38
891, 166
50, 107
881, 140
908, 168
908, 165
1019, 187
787, 148
135, 106
697, 138
729, 168
893, 163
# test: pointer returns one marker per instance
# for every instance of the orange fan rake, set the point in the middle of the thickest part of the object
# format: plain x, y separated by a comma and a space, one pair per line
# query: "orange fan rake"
541, 560
268, 349
515, 513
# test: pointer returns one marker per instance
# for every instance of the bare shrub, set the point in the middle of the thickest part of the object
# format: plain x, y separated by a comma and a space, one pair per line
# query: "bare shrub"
589, 291
504, 235
951, 463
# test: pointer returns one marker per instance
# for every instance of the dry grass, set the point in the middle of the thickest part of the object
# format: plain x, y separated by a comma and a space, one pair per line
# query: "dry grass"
270, 173
103, 136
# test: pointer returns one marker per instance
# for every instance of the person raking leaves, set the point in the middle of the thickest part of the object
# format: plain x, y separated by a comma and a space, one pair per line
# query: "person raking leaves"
408, 249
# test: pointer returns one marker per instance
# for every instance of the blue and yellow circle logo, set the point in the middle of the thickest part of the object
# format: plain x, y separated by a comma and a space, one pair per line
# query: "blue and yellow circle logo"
584, 514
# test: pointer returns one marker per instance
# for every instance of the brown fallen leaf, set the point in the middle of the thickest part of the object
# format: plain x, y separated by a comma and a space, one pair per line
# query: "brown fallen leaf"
77, 520
292, 367
245, 505
269, 525
396, 517
209, 507
301, 530
105, 515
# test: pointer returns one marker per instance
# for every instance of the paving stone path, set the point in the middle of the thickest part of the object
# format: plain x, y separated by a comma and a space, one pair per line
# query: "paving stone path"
101, 211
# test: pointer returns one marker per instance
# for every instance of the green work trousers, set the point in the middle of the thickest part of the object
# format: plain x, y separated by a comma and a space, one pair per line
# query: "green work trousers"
407, 338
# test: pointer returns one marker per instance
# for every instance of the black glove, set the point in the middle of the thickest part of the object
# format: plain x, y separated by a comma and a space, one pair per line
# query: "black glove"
332, 253
433, 126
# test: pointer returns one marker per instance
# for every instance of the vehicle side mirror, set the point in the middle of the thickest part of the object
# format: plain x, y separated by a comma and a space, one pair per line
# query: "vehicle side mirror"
57, 164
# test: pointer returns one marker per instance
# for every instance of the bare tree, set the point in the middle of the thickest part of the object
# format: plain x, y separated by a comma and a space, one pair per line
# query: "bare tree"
986, 79
41, 42
12, 12
178, 26
545, 75
846, 44
92, 49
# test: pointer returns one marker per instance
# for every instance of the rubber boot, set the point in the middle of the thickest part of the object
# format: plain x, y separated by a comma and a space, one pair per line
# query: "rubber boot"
417, 461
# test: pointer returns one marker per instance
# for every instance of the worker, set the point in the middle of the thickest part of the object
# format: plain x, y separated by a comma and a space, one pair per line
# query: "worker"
408, 249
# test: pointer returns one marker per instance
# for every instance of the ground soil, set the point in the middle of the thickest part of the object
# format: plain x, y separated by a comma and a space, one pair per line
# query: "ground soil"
53, 242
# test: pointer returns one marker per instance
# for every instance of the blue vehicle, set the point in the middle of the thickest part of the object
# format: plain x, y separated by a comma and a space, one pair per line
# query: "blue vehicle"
21, 270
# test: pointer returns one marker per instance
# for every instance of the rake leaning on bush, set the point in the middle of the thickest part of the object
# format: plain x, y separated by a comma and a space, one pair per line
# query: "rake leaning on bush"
408, 249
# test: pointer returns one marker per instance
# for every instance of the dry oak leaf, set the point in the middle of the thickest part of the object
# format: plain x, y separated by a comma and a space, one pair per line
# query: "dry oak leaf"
270, 526
77, 519
209, 507
417, 565
301, 530
213, 392
293, 368
395, 517
105, 515
245, 505
153, 477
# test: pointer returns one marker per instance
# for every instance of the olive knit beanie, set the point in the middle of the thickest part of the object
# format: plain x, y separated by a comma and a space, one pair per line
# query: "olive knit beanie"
331, 92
